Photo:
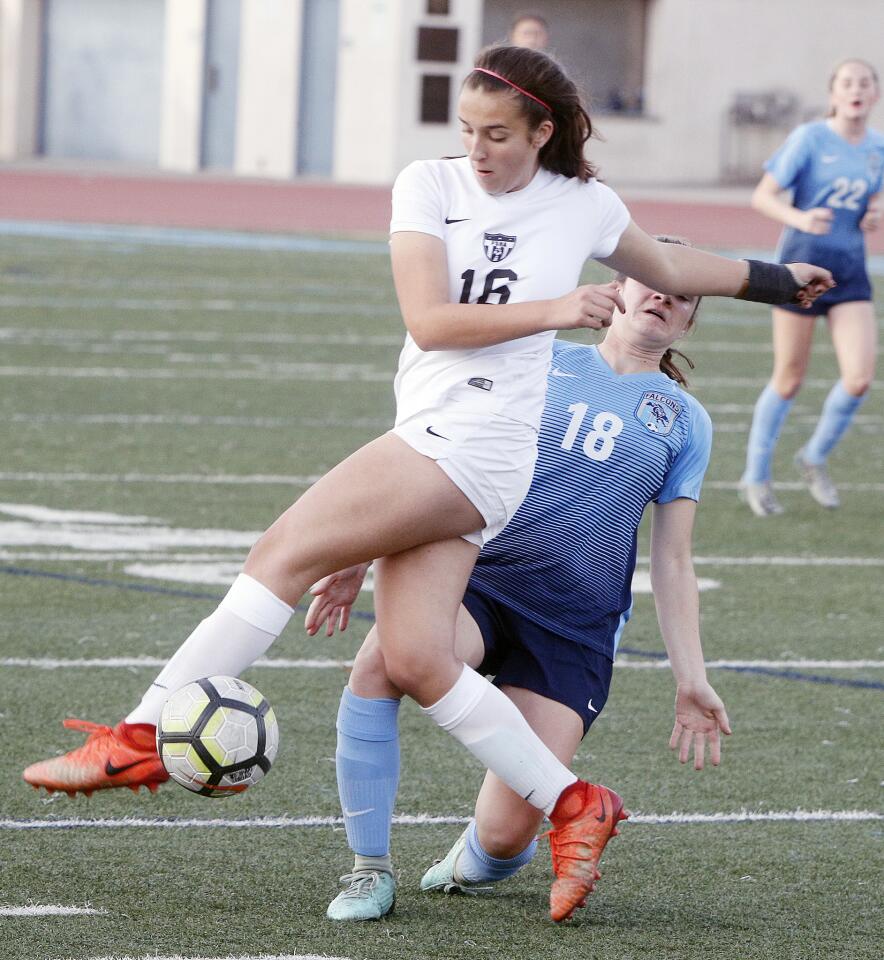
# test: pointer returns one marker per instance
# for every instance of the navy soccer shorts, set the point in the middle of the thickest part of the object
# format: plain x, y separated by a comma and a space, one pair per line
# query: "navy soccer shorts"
520, 653
848, 269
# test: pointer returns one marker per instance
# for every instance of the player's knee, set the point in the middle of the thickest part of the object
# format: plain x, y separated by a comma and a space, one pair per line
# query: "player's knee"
857, 385
369, 669
787, 381
505, 839
411, 670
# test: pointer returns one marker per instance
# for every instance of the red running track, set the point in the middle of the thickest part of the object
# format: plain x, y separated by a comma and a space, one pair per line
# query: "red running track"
304, 207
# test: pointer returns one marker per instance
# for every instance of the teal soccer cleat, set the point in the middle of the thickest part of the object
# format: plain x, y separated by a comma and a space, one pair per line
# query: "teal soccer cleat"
369, 895
443, 874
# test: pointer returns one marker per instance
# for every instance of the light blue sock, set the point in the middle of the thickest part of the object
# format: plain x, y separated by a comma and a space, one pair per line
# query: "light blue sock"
771, 411
367, 764
837, 415
476, 865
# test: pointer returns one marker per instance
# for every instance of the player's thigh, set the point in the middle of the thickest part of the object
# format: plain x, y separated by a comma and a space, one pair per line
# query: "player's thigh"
417, 598
383, 499
792, 340
854, 333
505, 822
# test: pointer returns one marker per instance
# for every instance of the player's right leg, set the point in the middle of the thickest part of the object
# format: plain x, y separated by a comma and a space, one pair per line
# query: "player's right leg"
854, 336
340, 520
792, 338
367, 767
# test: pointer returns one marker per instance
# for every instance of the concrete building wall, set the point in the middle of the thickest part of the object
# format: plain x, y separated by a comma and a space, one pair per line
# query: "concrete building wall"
701, 53
267, 106
692, 57
183, 75
20, 73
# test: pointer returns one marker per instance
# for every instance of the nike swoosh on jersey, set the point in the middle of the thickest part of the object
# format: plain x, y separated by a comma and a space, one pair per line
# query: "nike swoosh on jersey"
112, 771
357, 813
456, 220
589, 706
561, 373
433, 433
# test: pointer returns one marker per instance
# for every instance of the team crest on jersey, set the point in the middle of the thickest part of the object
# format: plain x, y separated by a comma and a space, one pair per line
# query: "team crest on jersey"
658, 412
498, 246
874, 164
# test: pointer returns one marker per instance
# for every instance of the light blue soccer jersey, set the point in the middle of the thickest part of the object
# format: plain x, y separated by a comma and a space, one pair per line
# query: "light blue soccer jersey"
608, 446
823, 170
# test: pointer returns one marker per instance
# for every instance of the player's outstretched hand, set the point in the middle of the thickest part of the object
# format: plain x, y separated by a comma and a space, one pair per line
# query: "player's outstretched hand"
815, 281
700, 717
591, 305
333, 598
817, 220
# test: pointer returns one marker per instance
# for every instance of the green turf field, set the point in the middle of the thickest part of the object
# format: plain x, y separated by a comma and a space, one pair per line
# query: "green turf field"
186, 395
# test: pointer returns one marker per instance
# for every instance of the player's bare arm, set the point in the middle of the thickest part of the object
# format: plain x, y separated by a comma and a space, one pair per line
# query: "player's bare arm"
700, 715
435, 323
770, 199
671, 268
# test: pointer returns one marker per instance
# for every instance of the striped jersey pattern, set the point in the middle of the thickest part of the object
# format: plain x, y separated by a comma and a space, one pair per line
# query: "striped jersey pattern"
609, 444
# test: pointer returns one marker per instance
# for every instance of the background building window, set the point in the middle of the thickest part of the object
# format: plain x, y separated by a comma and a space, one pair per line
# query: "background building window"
438, 44
439, 8
435, 98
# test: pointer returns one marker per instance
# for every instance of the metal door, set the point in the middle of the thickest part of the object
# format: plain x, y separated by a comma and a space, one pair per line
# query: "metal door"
102, 76
316, 108
220, 87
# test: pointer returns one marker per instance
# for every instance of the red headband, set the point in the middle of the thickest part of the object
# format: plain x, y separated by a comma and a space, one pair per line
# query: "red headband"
515, 86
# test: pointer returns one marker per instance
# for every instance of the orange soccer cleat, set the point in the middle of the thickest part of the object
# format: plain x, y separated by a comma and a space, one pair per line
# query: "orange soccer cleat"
121, 756
584, 820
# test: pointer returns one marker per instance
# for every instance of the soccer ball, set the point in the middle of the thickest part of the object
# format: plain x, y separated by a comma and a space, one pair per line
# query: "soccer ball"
217, 736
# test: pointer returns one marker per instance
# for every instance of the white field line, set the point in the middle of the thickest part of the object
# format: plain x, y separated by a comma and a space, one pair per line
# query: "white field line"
243, 956
105, 556
796, 485
281, 663
294, 480
426, 819
306, 372
251, 479
789, 561
84, 338
196, 420
28, 336
47, 910
867, 424
303, 372
301, 307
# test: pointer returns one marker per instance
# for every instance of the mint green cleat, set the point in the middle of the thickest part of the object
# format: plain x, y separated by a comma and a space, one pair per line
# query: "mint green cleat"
443, 874
369, 896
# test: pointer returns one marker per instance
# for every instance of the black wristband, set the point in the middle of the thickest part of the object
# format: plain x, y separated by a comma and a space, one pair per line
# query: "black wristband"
769, 283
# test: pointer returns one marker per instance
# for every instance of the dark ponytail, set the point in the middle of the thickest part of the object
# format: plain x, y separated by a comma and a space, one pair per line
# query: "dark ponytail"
540, 76
667, 365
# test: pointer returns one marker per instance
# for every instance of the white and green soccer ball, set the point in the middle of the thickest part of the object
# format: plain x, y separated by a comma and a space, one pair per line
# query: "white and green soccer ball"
217, 736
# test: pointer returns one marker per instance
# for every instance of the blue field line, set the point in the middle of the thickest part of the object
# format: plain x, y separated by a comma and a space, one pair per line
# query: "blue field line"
123, 234
364, 615
184, 237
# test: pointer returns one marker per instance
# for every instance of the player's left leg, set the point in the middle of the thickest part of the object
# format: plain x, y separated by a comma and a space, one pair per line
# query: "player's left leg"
854, 336
503, 836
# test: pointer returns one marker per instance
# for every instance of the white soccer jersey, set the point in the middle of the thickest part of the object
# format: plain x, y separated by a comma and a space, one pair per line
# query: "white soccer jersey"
516, 247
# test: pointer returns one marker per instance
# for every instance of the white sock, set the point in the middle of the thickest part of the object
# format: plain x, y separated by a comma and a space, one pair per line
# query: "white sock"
491, 727
241, 628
